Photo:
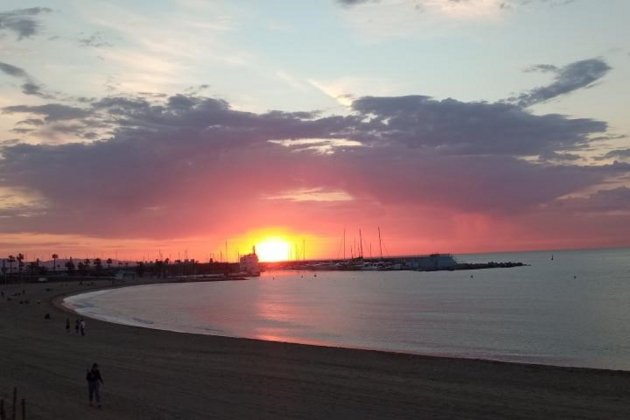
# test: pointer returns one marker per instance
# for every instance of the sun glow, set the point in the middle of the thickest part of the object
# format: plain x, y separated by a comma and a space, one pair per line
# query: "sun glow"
271, 250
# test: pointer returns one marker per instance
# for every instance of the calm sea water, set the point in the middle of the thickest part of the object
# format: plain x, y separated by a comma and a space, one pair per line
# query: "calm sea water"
573, 310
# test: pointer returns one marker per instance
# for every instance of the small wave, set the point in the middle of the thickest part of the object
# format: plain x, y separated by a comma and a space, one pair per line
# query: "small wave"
143, 321
212, 330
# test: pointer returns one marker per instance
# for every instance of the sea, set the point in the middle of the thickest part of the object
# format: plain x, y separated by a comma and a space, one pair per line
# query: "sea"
564, 308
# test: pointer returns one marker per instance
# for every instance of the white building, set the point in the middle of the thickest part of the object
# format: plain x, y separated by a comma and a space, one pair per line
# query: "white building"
249, 264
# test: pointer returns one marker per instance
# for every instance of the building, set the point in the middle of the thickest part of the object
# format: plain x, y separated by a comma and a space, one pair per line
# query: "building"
249, 264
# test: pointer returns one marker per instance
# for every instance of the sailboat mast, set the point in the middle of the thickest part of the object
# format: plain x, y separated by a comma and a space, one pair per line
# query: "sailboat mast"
344, 244
360, 244
380, 243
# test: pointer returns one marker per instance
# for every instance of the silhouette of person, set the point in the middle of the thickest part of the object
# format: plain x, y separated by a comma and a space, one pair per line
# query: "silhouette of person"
94, 380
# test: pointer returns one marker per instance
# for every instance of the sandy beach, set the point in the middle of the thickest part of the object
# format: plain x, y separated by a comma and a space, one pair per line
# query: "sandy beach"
151, 374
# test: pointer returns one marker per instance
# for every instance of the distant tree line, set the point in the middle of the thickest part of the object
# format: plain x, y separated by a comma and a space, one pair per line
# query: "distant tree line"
14, 268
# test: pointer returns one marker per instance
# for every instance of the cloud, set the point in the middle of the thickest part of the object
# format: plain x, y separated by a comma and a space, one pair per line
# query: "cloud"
374, 20
50, 112
12, 70
23, 22
353, 2
186, 165
471, 128
324, 146
616, 154
32, 121
96, 40
29, 87
569, 78
615, 201
543, 68
502, 4
415, 18
312, 194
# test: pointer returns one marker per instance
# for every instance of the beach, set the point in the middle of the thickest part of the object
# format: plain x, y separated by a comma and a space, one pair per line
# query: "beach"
151, 374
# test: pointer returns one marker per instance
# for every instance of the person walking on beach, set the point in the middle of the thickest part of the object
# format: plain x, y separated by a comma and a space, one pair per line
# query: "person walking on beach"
82, 326
94, 380
67, 325
76, 326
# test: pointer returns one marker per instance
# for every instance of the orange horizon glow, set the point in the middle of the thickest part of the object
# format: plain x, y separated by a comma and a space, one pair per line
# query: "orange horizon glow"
291, 244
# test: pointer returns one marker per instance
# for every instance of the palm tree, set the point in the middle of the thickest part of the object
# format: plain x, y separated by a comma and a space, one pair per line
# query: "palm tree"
20, 261
54, 257
38, 268
98, 264
11, 260
109, 263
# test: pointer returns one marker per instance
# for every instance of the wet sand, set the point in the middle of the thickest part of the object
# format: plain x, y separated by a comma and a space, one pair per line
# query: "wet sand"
153, 374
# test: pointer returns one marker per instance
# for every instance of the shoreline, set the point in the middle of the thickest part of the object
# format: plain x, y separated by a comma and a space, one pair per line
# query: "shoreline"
58, 302
497, 354
151, 373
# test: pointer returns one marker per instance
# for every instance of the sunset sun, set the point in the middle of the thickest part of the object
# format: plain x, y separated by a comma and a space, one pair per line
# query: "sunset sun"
271, 250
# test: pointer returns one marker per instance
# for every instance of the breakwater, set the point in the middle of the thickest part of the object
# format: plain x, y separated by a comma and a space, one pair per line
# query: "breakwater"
432, 262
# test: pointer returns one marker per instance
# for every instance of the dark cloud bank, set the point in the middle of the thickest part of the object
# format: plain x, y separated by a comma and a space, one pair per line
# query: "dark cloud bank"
165, 167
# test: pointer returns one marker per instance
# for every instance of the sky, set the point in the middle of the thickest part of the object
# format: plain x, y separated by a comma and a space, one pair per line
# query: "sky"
198, 128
